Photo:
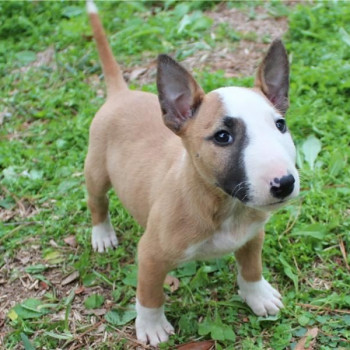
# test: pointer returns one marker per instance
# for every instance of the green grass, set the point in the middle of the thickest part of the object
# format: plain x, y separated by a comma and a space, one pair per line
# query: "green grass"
43, 142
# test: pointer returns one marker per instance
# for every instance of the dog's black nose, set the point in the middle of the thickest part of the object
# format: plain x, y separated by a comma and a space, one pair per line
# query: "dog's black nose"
283, 187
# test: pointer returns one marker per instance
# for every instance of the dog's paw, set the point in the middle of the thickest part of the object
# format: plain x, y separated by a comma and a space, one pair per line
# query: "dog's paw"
151, 325
261, 297
103, 236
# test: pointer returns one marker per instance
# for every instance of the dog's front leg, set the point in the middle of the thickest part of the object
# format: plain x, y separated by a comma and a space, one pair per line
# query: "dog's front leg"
151, 324
262, 298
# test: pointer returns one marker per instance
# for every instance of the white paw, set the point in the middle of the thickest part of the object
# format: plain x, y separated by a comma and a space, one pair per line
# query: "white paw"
261, 297
151, 325
103, 236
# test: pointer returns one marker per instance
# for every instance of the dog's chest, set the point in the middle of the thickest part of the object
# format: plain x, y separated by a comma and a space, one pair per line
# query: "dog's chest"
231, 236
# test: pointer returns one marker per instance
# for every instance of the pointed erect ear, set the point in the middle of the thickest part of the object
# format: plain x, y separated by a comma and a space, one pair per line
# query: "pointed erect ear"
179, 94
273, 76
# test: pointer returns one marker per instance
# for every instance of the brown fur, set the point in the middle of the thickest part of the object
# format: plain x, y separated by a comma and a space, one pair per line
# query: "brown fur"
167, 189
249, 258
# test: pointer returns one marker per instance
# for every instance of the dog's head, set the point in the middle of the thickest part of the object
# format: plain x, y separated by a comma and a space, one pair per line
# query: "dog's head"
237, 138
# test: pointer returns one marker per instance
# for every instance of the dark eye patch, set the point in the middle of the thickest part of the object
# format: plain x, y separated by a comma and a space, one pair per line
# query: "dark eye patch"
232, 178
229, 122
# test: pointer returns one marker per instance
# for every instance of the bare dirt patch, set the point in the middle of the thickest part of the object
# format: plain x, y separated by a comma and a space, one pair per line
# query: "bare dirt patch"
236, 59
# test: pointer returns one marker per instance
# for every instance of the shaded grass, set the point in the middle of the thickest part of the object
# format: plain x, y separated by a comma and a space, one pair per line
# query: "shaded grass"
43, 141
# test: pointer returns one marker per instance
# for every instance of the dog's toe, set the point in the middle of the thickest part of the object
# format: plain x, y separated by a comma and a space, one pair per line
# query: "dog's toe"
261, 297
102, 240
151, 325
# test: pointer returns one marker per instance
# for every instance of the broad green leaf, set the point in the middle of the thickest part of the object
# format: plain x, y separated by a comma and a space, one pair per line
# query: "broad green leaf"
217, 329
26, 57
26, 342
311, 148
121, 317
72, 11
186, 20
89, 280
200, 280
217, 332
288, 270
204, 328
66, 185
35, 268
269, 318
337, 164
53, 257
229, 334
189, 269
94, 301
10, 174
303, 320
131, 277
30, 308
63, 336
36, 174
12, 315
181, 9
344, 35
316, 231
7, 203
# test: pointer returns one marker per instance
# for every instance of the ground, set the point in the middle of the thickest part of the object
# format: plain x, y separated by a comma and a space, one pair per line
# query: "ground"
55, 292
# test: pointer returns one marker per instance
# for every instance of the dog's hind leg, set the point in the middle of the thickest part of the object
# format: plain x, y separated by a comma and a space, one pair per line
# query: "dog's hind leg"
262, 298
97, 183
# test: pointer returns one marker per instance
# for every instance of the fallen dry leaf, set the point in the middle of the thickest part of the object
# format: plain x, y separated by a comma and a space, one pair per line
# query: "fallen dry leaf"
172, 282
43, 285
201, 345
71, 241
53, 243
79, 290
136, 73
96, 312
343, 252
70, 278
310, 338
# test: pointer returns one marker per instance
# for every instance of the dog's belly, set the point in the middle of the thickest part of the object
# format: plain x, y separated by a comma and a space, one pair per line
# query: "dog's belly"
229, 238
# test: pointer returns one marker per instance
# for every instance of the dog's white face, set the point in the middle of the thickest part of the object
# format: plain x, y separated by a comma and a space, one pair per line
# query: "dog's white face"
265, 152
236, 137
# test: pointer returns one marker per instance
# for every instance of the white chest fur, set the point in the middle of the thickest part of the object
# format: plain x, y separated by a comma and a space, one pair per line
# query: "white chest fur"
231, 236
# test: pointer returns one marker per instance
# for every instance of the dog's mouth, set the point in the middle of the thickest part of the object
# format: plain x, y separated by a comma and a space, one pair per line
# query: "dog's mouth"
268, 206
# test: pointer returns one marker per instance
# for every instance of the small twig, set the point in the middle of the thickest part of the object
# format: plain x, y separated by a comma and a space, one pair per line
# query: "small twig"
323, 308
343, 252
17, 200
332, 336
135, 341
24, 223
96, 325
3, 238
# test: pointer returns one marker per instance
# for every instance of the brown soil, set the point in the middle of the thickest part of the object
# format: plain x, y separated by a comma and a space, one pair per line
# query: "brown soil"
236, 59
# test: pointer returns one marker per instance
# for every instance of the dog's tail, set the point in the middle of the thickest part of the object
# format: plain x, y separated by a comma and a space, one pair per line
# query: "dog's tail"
111, 70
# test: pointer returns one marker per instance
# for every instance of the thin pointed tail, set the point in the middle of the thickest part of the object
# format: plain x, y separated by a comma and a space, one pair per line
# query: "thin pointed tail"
111, 70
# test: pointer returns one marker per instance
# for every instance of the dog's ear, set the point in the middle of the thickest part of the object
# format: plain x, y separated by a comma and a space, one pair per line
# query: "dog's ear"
273, 76
179, 94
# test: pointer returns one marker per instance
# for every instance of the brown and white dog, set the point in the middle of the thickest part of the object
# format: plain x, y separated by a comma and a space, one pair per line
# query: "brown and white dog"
201, 172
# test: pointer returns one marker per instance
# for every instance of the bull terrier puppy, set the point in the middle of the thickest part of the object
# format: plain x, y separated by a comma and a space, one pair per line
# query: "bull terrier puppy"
200, 172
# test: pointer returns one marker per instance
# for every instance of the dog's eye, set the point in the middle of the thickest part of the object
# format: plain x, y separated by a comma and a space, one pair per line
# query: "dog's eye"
281, 125
223, 138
